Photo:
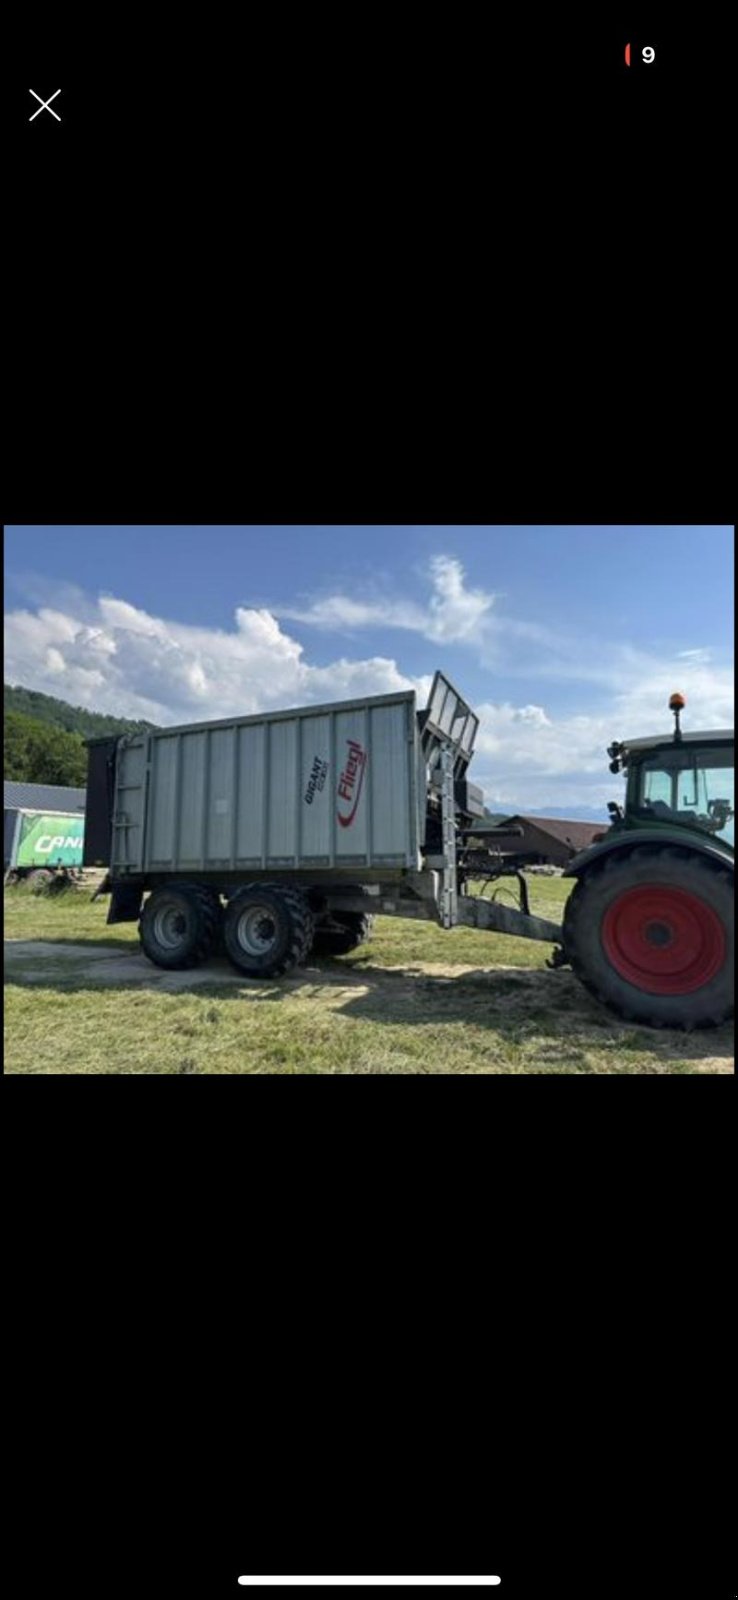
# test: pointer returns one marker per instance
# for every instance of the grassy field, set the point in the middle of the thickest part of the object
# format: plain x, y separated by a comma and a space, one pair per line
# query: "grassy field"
415, 999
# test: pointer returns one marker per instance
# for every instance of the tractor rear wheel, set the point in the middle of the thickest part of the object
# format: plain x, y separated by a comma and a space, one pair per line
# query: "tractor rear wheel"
650, 934
353, 928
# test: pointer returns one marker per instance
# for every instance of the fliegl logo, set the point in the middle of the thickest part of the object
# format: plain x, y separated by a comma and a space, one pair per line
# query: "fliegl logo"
350, 782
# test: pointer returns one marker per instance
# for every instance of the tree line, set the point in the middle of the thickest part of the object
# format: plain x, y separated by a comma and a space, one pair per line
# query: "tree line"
37, 752
44, 737
73, 719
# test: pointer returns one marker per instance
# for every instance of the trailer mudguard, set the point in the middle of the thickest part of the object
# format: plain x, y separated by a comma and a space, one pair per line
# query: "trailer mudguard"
125, 902
628, 838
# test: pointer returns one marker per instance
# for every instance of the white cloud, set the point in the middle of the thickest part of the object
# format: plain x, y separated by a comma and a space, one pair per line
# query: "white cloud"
132, 664
529, 757
110, 655
453, 613
338, 613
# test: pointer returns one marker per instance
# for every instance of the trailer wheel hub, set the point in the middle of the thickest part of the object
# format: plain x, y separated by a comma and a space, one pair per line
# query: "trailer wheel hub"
663, 939
256, 930
170, 927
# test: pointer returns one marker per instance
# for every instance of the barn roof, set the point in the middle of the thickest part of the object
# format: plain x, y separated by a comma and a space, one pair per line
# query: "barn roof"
42, 797
576, 834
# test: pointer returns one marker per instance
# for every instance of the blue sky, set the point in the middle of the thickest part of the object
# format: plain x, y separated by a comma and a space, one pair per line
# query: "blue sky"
562, 637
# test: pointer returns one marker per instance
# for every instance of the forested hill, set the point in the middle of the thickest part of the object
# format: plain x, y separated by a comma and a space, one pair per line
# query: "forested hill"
73, 719
44, 738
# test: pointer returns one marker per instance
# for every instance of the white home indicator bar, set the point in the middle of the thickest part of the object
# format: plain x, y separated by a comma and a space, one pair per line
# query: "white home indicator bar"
448, 1583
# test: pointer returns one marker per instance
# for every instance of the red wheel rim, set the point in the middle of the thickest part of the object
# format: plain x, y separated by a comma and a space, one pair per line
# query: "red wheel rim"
662, 939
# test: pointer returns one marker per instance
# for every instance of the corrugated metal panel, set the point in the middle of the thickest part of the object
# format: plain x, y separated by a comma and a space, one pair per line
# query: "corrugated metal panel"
328, 786
315, 816
130, 803
42, 797
282, 766
190, 796
161, 811
218, 841
252, 792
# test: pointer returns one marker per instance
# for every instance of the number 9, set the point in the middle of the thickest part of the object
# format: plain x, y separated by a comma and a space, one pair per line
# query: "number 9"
649, 54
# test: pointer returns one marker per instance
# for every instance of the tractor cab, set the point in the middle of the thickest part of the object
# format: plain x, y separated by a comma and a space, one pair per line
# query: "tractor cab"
687, 781
692, 786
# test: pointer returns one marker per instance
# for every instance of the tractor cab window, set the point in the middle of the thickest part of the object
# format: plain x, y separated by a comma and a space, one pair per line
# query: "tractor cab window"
694, 788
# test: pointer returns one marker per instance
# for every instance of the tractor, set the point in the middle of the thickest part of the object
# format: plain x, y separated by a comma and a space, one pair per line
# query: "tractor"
648, 927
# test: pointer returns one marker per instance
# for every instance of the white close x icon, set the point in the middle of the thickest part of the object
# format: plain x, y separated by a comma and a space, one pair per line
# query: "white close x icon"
44, 105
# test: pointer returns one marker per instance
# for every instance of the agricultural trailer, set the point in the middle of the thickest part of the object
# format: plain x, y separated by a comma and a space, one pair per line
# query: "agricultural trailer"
273, 836
39, 846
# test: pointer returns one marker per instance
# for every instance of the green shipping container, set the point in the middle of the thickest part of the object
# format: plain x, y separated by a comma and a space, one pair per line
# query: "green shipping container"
49, 839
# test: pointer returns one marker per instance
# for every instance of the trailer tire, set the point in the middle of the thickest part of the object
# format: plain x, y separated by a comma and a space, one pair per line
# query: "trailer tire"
650, 933
179, 926
214, 900
39, 880
355, 928
268, 929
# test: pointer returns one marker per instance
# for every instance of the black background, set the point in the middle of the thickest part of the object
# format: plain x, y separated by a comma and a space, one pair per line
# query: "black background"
362, 270
521, 1577
433, 272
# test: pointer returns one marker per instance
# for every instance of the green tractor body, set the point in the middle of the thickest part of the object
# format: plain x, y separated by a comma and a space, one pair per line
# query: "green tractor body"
649, 925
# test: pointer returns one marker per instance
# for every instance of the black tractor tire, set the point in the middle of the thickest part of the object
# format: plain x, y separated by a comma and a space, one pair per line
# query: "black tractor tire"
179, 926
650, 933
268, 929
39, 880
355, 928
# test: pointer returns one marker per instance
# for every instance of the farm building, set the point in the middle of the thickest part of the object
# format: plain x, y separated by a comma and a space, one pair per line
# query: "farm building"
42, 797
552, 840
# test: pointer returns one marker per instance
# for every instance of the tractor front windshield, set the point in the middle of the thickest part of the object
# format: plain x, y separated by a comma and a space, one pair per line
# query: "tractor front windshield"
691, 786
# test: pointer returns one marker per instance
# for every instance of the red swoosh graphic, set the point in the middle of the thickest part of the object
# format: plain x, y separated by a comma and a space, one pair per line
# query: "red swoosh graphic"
346, 821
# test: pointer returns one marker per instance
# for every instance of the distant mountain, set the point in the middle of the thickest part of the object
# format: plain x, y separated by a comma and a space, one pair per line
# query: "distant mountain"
567, 813
73, 719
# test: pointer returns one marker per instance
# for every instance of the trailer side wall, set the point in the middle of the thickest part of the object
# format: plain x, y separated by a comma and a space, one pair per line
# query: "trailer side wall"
329, 787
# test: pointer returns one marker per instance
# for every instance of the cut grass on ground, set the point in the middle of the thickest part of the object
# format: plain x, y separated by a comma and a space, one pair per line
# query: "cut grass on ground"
414, 1000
